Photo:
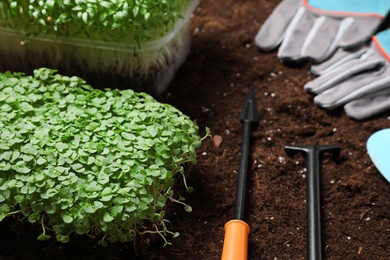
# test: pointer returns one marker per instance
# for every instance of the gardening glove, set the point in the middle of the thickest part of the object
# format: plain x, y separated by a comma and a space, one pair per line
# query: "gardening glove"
316, 28
358, 79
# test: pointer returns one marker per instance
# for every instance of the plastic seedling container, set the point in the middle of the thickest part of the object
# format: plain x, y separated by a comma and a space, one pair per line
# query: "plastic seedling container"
142, 66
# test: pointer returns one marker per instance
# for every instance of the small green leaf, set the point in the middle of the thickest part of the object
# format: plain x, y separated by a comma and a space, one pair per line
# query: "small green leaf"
107, 191
67, 218
41, 160
27, 158
15, 155
128, 136
7, 155
107, 217
98, 204
92, 187
62, 238
61, 146
106, 198
90, 160
102, 243
90, 209
34, 217
92, 126
43, 237
78, 167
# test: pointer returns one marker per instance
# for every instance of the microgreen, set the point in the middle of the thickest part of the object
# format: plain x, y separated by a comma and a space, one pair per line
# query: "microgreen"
79, 160
140, 43
143, 20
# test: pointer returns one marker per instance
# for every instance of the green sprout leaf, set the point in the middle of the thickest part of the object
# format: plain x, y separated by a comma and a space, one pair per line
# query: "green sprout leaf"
62, 238
107, 217
188, 208
67, 218
43, 237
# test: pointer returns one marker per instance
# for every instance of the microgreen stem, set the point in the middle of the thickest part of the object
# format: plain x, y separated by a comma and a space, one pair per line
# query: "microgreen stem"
160, 233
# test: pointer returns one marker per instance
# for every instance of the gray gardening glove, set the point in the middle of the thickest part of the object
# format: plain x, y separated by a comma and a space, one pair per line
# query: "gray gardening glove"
316, 28
359, 79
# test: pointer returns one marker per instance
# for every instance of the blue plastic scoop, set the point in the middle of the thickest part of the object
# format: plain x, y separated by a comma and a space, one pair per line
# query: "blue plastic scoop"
378, 147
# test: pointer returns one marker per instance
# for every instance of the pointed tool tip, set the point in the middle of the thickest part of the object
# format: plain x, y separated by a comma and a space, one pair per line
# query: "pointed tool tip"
249, 110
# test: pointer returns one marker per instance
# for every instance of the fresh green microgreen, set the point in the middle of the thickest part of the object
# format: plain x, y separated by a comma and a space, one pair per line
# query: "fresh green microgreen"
75, 165
144, 20
130, 43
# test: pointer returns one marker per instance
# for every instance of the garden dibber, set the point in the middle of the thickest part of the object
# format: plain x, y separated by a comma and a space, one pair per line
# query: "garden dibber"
235, 246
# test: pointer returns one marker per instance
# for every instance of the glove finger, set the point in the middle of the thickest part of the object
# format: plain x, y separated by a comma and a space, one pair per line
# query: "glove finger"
347, 71
296, 35
360, 31
367, 107
311, 34
322, 39
272, 31
340, 57
352, 89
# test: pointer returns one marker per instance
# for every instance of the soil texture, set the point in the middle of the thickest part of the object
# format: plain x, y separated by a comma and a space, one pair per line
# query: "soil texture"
211, 87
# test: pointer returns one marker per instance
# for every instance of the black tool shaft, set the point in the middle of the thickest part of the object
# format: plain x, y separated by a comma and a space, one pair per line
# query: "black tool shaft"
313, 206
243, 172
313, 153
248, 116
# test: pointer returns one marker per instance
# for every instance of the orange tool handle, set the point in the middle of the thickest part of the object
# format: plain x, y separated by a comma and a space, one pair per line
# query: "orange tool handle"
235, 245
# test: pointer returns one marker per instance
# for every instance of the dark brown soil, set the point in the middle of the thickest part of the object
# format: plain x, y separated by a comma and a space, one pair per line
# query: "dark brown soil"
210, 88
